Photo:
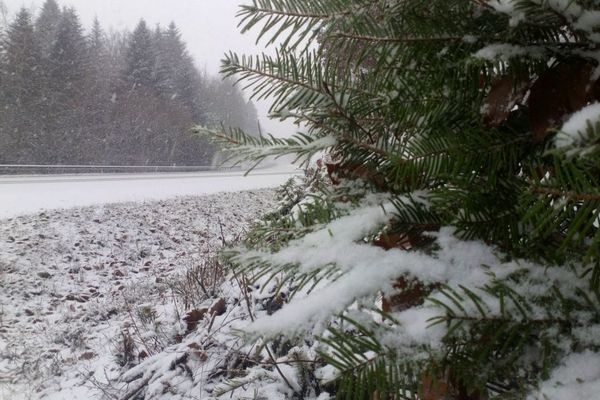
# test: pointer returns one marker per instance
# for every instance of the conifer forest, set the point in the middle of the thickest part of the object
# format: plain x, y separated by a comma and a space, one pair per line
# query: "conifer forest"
70, 95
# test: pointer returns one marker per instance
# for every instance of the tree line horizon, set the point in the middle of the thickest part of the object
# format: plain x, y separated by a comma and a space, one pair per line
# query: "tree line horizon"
68, 96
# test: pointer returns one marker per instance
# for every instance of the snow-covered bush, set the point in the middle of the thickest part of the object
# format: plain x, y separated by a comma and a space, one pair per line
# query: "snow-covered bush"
455, 251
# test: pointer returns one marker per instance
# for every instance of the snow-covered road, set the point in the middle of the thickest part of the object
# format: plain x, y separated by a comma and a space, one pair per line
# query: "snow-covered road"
28, 194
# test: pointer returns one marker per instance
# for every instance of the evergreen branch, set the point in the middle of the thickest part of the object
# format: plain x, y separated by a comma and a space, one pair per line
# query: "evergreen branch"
343, 136
294, 19
349, 139
343, 112
257, 149
460, 148
280, 77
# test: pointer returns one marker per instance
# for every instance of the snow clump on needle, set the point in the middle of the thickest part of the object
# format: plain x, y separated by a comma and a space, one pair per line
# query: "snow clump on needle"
573, 130
577, 378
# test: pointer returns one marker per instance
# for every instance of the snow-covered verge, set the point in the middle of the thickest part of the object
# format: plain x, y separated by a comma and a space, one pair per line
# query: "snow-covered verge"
85, 291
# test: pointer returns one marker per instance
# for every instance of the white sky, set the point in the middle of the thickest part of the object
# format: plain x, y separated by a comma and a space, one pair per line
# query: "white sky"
209, 28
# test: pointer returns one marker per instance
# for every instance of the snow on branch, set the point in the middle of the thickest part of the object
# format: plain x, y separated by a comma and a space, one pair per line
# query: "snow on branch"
573, 130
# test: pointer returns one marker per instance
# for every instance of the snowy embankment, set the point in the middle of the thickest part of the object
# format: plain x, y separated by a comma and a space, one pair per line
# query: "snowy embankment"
73, 281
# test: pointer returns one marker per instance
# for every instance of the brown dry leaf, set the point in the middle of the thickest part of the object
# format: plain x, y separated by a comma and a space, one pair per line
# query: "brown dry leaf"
364, 172
434, 388
88, 355
193, 317
410, 293
560, 90
332, 170
444, 387
219, 307
394, 241
503, 96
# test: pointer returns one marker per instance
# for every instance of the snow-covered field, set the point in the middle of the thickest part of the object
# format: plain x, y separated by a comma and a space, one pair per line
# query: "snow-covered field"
71, 280
21, 195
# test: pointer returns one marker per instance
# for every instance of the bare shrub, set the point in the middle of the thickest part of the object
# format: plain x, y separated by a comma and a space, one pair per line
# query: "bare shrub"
200, 282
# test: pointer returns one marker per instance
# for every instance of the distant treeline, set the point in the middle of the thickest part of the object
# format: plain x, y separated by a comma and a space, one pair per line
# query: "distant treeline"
74, 97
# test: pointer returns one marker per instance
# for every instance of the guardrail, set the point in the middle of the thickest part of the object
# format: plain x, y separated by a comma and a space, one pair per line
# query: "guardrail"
17, 169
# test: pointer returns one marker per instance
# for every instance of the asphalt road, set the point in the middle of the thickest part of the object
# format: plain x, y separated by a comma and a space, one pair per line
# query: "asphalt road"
26, 194
40, 179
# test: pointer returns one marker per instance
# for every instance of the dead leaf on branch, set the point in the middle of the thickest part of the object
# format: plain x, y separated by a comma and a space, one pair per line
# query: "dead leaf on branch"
389, 241
410, 293
441, 386
559, 91
504, 94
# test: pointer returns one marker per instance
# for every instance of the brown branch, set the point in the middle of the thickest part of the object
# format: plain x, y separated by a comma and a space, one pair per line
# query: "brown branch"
276, 365
366, 38
568, 195
294, 14
138, 388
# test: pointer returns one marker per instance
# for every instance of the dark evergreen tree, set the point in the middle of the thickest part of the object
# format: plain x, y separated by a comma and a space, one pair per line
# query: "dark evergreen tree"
67, 84
96, 42
99, 89
20, 91
140, 59
162, 64
173, 60
46, 27
68, 59
178, 79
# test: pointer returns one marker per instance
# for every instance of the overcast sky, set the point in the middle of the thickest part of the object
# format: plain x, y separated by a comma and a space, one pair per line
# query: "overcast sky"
209, 28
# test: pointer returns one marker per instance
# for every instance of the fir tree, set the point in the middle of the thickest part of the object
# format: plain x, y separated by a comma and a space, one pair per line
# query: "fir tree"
96, 40
100, 79
21, 55
67, 82
21, 81
178, 79
170, 52
68, 58
98, 58
140, 58
46, 27
458, 195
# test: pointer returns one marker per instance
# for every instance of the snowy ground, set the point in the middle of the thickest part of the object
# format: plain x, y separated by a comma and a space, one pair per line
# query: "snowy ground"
21, 195
71, 279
